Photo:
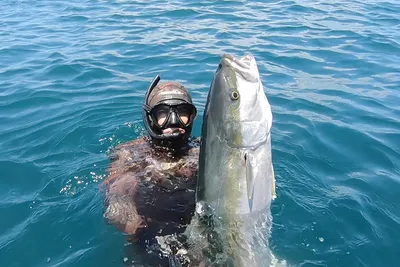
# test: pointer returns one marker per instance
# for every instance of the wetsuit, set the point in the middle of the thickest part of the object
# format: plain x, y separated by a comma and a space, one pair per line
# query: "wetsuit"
150, 192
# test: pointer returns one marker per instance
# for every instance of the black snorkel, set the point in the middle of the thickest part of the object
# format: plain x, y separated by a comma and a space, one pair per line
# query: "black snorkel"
159, 138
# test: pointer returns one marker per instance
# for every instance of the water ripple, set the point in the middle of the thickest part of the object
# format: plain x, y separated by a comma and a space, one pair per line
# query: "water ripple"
73, 75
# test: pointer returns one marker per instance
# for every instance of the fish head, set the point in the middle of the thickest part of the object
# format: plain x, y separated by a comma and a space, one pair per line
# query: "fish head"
240, 106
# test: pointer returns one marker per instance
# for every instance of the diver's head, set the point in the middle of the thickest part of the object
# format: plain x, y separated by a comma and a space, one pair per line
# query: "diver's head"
168, 113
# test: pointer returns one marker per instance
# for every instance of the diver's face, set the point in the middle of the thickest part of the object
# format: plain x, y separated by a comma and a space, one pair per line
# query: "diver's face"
173, 117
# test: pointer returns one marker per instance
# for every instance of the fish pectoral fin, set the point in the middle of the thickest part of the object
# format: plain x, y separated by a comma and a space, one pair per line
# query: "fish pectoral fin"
273, 185
249, 180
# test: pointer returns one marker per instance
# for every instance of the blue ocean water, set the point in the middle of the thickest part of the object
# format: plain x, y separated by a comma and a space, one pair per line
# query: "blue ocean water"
72, 78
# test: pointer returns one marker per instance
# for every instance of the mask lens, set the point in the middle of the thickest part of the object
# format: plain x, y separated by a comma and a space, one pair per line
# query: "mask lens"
185, 113
160, 114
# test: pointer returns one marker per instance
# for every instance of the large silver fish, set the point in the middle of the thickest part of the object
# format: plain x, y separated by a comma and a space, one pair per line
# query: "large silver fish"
236, 182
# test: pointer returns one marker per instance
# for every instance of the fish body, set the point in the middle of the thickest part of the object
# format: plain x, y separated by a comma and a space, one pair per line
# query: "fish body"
236, 182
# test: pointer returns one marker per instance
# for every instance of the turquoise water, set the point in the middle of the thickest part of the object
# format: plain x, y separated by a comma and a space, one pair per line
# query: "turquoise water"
72, 78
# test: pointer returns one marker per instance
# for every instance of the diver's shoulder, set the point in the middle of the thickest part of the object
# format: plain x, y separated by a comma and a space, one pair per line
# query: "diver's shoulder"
135, 142
130, 149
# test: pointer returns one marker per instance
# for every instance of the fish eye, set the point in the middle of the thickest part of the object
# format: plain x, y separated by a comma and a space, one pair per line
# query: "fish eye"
234, 95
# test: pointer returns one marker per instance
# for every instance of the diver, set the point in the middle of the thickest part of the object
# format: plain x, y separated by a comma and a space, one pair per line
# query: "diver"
150, 189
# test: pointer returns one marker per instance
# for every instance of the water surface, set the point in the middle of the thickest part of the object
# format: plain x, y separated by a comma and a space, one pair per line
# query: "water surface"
72, 78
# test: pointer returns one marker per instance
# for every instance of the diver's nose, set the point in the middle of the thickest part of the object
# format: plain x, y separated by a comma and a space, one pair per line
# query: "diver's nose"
173, 120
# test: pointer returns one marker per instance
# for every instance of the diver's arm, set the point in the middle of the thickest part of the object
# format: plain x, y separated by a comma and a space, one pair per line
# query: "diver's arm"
120, 210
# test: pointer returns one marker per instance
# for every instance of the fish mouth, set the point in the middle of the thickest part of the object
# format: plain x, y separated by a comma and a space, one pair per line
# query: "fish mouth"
245, 66
246, 62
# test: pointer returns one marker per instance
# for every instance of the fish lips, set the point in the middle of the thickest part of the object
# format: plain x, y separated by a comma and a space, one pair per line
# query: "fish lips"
246, 62
245, 67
